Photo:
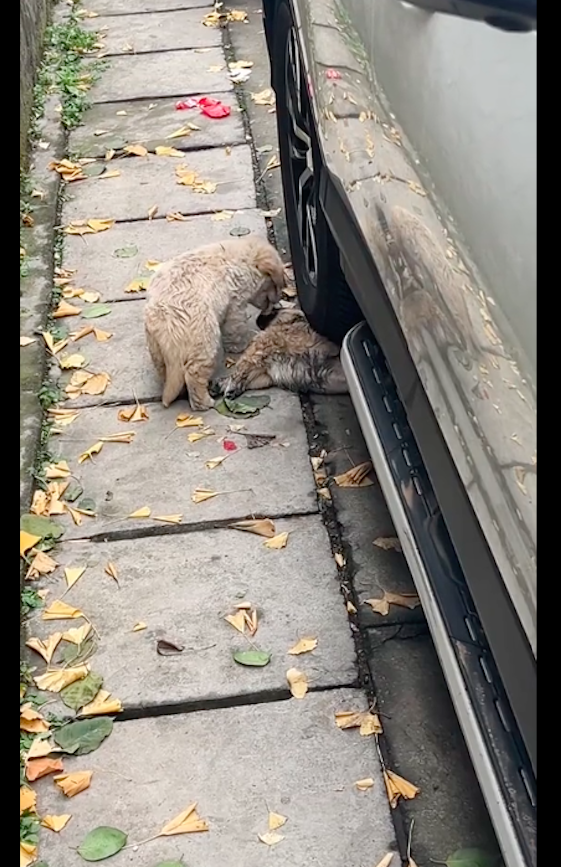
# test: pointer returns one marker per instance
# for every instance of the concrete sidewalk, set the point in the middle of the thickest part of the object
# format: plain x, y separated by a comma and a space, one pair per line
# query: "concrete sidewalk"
196, 726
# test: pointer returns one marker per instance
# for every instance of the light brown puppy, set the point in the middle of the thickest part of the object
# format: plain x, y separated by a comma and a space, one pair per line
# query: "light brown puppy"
197, 301
288, 353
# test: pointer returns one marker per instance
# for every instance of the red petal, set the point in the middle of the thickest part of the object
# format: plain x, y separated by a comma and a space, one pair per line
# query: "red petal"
216, 111
229, 446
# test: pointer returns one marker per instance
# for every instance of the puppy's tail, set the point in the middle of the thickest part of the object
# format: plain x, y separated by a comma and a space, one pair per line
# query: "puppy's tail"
174, 379
166, 360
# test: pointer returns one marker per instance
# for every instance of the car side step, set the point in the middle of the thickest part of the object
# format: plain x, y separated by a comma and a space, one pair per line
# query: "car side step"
495, 746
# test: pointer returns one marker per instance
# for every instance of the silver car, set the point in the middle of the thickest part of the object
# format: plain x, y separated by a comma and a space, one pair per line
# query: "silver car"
408, 152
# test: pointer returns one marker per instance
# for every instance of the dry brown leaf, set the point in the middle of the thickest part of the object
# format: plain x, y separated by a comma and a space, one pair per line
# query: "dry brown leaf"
370, 725
271, 838
137, 413
187, 822
185, 420
169, 519
72, 573
73, 784
388, 543
61, 611
264, 97
167, 151
37, 768
27, 799
27, 854
138, 627
259, 526
305, 645
78, 634
397, 787
298, 682
27, 541
41, 564
340, 560
102, 703
111, 570
386, 860
405, 600
212, 463
136, 150
46, 648
277, 542
351, 608
30, 720
56, 823
356, 477
143, 512
39, 503
379, 606
199, 495
237, 620
364, 785
276, 821
57, 678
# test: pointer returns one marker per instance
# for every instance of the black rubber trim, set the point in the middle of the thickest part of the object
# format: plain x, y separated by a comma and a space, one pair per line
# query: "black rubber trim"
488, 698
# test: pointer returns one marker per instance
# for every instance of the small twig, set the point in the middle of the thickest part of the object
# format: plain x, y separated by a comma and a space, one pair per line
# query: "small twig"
409, 836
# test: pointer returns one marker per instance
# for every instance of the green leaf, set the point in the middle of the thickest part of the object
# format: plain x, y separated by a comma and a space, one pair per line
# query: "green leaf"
38, 525
72, 491
87, 503
471, 858
254, 658
171, 864
82, 691
126, 252
242, 407
83, 736
96, 310
101, 843
76, 654
93, 169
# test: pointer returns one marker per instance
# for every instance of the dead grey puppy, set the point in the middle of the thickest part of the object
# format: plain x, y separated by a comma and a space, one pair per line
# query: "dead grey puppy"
288, 354
197, 301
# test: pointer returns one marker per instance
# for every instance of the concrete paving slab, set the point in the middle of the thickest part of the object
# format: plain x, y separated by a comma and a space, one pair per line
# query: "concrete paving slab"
155, 31
100, 267
124, 356
237, 763
150, 181
376, 569
129, 7
150, 122
427, 746
161, 468
182, 586
170, 73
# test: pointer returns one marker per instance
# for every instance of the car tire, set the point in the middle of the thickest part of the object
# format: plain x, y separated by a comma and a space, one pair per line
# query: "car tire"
323, 292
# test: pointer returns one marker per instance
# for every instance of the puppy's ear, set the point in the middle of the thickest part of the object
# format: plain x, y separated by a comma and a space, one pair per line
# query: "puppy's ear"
268, 261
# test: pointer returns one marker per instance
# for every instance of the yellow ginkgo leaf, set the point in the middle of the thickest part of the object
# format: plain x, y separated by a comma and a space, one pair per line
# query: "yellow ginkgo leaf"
40, 748
26, 341
78, 634
27, 854
55, 823
277, 542
60, 470
72, 362
187, 822
166, 151
124, 437
96, 384
169, 519
185, 420
59, 610
31, 720
356, 477
199, 495
271, 838
72, 573
46, 648
137, 150
298, 682
73, 784
101, 335
305, 645
212, 463
237, 620
199, 435
27, 799
143, 512
387, 860
261, 527
136, 413
364, 785
27, 541
89, 453
102, 703
66, 309
41, 564
397, 787
56, 679
111, 570
276, 820
138, 627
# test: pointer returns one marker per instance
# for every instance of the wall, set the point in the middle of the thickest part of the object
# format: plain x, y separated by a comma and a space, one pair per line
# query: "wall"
32, 21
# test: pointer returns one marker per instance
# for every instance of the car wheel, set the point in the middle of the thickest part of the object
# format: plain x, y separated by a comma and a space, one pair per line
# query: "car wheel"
322, 289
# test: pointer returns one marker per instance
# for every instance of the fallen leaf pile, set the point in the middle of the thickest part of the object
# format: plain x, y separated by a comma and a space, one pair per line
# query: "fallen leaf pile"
189, 178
